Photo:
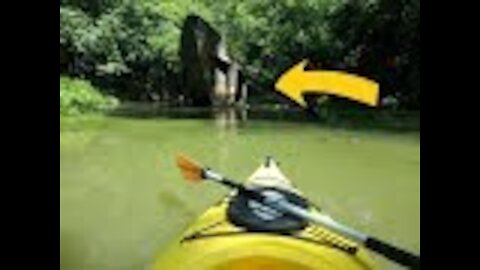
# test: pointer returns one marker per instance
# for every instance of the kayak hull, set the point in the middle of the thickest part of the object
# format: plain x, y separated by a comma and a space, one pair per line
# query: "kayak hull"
212, 242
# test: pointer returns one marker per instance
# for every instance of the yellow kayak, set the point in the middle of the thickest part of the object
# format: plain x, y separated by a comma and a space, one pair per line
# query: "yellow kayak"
239, 233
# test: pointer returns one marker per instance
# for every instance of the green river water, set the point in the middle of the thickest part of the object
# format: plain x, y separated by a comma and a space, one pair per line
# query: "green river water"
122, 199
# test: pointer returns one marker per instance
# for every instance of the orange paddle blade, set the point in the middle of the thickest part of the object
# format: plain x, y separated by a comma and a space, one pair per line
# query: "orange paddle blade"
190, 170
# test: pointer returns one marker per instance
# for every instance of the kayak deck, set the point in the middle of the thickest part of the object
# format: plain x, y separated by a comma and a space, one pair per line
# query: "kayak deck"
213, 242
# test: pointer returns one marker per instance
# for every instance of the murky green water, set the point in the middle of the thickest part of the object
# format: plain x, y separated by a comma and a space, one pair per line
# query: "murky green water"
122, 199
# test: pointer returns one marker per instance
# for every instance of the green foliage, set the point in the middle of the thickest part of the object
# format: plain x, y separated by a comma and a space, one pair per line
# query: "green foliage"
384, 44
79, 96
270, 35
91, 7
119, 49
131, 48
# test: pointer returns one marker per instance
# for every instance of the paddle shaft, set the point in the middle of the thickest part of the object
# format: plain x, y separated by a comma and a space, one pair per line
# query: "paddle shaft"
393, 253
216, 177
317, 218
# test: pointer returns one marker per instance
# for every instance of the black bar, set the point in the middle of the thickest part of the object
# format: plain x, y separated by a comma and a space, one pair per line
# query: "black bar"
398, 255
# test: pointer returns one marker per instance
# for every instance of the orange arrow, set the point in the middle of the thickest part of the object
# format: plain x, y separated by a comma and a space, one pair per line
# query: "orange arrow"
296, 81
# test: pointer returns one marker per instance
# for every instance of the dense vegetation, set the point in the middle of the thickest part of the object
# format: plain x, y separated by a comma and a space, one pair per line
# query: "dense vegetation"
79, 96
130, 48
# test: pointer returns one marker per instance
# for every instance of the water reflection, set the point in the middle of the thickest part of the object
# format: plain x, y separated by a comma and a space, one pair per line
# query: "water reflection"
234, 117
227, 121
223, 115
229, 117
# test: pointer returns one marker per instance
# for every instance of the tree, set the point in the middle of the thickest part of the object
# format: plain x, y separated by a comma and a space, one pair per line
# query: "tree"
131, 48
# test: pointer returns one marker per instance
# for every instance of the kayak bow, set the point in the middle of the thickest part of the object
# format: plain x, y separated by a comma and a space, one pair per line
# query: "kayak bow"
264, 224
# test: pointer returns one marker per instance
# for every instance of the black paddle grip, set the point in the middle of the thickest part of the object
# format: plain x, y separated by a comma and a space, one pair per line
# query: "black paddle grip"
400, 256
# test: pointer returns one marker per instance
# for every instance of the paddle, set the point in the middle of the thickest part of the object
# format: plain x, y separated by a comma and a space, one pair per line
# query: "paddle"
194, 172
